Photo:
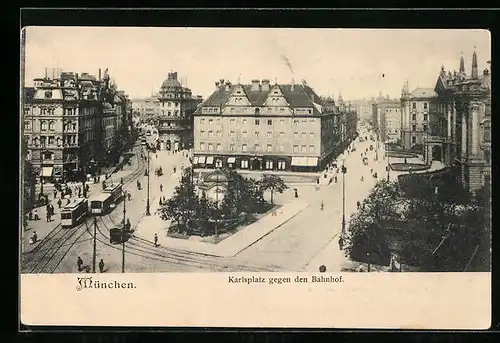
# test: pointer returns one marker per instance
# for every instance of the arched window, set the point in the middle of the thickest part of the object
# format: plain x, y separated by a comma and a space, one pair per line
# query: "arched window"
44, 125
73, 126
257, 110
36, 141
59, 141
52, 126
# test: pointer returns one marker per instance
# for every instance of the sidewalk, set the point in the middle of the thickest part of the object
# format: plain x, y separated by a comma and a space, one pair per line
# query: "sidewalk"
231, 245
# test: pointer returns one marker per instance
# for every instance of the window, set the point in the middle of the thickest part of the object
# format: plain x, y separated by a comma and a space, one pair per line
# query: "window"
244, 133
232, 109
202, 121
296, 135
210, 133
210, 147
231, 134
269, 134
425, 128
282, 110
202, 146
282, 134
256, 134
311, 121
311, 148
202, 133
426, 116
169, 104
257, 147
270, 122
425, 105
282, 148
176, 113
231, 147
414, 116
303, 148
59, 141
303, 135
414, 105
413, 139
282, 121
295, 122
244, 164
210, 121
244, 148
232, 121
27, 125
295, 148
219, 147
269, 164
269, 148
244, 121
219, 134
414, 127
311, 135
44, 126
51, 140
257, 121
169, 113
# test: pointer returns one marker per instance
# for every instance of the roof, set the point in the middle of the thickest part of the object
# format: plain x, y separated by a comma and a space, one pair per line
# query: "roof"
423, 93
216, 176
29, 93
296, 96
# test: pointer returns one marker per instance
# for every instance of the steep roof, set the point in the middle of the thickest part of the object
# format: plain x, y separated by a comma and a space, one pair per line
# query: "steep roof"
423, 93
296, 96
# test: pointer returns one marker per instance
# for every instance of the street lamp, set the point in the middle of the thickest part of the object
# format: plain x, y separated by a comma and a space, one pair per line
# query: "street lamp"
344, 171
148, 213
42, 151
388, 168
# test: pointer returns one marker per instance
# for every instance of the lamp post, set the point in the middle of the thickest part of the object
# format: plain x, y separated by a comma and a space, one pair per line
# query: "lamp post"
148, 213
124, 230
388, 167
42, 150
344, 171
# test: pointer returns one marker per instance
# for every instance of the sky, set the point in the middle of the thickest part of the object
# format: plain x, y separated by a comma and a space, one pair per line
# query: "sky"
358, 63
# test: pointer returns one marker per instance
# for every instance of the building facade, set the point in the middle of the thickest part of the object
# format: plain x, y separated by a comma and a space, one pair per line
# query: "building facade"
464, 104
146, 108
418, 111
387, 119
174, 118
66, 126
264, 126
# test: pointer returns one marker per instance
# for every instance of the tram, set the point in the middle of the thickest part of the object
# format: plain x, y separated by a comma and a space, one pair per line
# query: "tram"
100, 203
74, 212
116, 192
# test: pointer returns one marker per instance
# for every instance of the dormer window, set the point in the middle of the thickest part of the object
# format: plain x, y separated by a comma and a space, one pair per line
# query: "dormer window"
257, 111
48, 94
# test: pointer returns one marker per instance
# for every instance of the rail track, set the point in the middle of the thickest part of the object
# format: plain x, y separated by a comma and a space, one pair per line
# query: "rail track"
53, 248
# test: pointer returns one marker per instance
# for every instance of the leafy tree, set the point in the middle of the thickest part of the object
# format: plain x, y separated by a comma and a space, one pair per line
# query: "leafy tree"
274, 184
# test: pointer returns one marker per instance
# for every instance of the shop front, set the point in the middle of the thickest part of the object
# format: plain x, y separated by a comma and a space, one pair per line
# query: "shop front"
304, 164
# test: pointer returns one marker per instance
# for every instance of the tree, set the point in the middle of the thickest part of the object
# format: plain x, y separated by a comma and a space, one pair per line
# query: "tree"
274, 184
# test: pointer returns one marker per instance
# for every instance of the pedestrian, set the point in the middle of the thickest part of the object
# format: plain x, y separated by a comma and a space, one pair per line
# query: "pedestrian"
335, 178
59, 202
79, 264
34, 237
296, 193
129, 196
362, 179
371, 171
163, 199
358, 204
55, 193
405, 160
322, 206
121, 180
341, 243
36, 214
160, 203
156, 240
30, 215
174, 170
101, 266
128, 225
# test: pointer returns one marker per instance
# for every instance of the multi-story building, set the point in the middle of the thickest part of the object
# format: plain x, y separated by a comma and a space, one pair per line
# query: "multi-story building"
146, 108
363, 108
388, 119
174, 119
264, 126
418, 111
464, 107
64, 118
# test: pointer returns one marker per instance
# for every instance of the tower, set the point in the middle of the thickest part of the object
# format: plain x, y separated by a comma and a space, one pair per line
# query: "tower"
462, 64
474, 73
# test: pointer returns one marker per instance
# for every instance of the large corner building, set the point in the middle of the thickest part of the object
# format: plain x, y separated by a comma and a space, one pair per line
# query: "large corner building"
264, 126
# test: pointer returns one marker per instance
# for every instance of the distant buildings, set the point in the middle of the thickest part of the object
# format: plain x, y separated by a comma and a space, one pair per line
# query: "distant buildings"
73, 124
146, 107
386, 118
264, 126
174, 119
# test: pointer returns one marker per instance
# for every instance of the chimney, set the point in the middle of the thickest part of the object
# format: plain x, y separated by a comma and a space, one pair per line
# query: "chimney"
228, 86
221, 84
265, 85
255, 86
216, 85
99, 74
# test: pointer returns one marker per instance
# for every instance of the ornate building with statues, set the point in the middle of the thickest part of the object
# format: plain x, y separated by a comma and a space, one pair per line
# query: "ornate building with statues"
464, 108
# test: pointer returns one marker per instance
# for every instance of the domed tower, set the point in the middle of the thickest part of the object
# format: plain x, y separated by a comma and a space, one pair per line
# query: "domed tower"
175, 115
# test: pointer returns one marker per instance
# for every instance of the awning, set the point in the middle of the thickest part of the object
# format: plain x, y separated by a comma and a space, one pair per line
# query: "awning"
210, 160
312, 161
47, 171
231, 159
299, 161
195, 160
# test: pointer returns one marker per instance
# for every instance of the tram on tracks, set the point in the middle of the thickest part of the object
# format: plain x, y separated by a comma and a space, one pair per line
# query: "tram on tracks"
116, 192
73, 213
100, 203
